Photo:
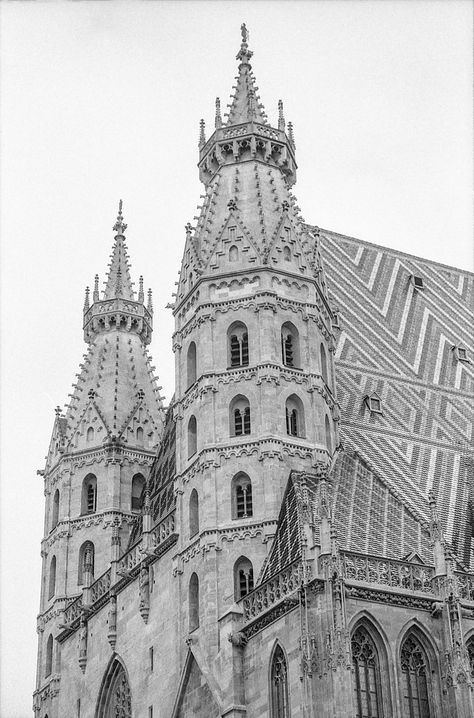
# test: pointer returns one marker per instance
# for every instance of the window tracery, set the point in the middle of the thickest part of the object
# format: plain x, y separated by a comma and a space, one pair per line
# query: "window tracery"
279, 685
367, 683
414, 679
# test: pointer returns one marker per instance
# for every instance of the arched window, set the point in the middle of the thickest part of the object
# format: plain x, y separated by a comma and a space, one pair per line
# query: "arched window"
193, 602
242, 506
193, 513
279, 685
366, 680
470, 653
327, 429
89, 495
90, 434
238, 343
52, 578
243, 577
324, 364
294, 416
233, 254
290, 345
115, 697
239, 416
287, 253
138, 489
48, 666
191, 280
86, 561
139, 434
415, 668
192, 436
55, 511
191, 365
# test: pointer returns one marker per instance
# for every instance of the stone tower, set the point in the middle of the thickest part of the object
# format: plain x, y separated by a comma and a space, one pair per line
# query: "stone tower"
101, 449
255, 394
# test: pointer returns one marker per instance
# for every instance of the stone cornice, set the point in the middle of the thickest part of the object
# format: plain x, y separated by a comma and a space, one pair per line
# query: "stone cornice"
67, 526
69, 461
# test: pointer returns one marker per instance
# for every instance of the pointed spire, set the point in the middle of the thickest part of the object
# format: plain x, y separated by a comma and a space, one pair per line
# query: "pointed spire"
119, 225
245, 105
86, 300
141, 294
202, 133
291, 136
118, 282
218, 120
281, 118
150, 302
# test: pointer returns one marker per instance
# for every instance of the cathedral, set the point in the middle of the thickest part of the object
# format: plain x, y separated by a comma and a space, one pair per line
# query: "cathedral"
293, 535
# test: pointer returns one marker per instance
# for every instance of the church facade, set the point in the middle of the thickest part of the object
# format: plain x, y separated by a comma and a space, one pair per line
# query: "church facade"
292, 535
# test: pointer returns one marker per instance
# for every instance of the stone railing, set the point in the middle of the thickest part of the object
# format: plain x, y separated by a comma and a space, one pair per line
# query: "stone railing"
100, 587
280, 586
388, 572
162, 531
73, 611
130, 559
465, 585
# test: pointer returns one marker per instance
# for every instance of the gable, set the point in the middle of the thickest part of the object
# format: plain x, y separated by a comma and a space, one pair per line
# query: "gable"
233, 248
195, 698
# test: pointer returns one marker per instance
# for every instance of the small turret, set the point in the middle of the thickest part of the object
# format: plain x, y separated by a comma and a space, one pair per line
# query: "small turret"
118, 307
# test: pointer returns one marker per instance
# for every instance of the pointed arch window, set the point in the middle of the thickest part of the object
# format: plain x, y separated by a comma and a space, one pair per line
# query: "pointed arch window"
470, 653
192, 436
193, 603
115, 700
138, 490
48, 665
324, 363
193, 513
294, 416
239, 416
287, 253
191, 365
414, 666
242, 502
86, 561
89, 495
55, 511
243, 577
233, 253
366, 678
238, 345
279, 685
290, 345
52, 578
327, 431
90, 434
139, 435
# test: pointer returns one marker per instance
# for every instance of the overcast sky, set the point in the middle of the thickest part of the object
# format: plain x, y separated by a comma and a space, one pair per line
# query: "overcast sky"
102, 100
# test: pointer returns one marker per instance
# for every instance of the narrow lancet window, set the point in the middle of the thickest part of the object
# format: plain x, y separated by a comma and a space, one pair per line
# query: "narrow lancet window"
366, 677
279, 685
415, 669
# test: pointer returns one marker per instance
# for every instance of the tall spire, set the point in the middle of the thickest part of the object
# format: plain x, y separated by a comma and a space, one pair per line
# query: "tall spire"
118, 307
245, 104
119, 283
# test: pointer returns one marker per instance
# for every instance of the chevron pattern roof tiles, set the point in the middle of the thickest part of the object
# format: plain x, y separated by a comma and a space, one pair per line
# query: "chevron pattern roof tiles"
398, 341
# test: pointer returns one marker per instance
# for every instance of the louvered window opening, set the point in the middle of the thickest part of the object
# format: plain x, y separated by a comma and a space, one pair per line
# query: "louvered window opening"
367, 684
245, 581
243, 495
239, 350
292, 422
414, 681
287, 350
242, 421
91, 494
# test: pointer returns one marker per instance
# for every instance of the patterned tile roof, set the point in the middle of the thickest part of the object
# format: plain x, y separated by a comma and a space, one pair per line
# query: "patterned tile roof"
400, 342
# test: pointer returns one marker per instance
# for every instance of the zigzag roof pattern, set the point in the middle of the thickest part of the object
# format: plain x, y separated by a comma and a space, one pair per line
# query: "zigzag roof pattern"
401, 343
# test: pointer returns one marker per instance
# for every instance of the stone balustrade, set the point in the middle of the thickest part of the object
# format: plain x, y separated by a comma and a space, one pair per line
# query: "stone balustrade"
73, 610
388, 572
163, 530
465, 585
277, 588
100, 587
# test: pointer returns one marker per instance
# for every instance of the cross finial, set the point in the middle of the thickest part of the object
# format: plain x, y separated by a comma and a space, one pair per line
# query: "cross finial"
120, 225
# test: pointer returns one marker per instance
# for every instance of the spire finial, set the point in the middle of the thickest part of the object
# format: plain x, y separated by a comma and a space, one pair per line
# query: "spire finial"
86, 300
95, 295
291, 136
120, 225
150, 302
141, 294
202, 133
281, 118
244, 53
218, 120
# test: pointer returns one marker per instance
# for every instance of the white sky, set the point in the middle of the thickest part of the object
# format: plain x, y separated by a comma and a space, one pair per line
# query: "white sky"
102, 100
